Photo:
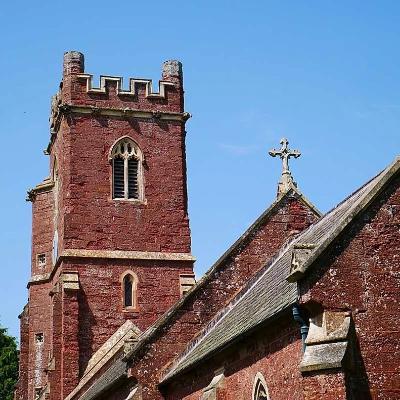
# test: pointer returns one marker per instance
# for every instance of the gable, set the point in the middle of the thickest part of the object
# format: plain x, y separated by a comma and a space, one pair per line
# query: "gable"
320, 236
359, 268
271, 293
288, 215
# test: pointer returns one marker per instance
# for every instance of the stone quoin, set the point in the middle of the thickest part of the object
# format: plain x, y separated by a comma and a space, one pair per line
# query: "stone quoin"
301, 306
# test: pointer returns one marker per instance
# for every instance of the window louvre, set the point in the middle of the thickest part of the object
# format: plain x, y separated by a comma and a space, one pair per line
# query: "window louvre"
118, 170
127, 169
133, 192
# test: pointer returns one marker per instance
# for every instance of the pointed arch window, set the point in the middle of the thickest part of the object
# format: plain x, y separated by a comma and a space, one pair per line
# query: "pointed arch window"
260, 391
127, 181
129, 290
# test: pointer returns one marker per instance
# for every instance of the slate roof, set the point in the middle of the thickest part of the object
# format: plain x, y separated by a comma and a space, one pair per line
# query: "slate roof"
163, 321
272, 292
268, 295
112, 375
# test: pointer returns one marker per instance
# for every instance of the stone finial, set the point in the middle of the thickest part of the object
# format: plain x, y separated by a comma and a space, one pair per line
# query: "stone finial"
74, 62
286, 182
172, 70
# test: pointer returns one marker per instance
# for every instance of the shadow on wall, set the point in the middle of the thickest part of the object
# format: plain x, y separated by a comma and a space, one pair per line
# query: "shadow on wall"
86, 321
357, 383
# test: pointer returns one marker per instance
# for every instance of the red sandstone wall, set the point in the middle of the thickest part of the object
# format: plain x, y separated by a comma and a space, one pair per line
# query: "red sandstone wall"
100, 312
89, 219
74, 90
55, 374
35, 357
327, 385
22, 388
42, 231
39, 322
290, 217
90, 315
275, 352
361, 274
71, 351
286, 219
92, 220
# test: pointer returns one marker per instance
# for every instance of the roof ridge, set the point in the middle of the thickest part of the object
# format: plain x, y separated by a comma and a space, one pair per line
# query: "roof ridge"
354, 192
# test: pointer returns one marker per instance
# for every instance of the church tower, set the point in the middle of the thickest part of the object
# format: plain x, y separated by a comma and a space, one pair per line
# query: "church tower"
110, 236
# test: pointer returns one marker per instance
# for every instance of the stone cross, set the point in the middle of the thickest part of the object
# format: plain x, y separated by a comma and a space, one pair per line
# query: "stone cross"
285, 153
286, 181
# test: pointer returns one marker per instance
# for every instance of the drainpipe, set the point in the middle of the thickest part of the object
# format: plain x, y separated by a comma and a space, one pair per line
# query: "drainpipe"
299, 317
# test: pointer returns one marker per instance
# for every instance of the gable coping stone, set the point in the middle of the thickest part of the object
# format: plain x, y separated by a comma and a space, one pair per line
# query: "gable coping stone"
128, 331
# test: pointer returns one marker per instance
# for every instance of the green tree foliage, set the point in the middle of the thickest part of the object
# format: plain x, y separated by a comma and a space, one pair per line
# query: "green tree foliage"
8, 365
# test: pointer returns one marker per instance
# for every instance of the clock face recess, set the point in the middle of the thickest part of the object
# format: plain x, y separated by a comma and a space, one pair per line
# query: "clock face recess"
55, 248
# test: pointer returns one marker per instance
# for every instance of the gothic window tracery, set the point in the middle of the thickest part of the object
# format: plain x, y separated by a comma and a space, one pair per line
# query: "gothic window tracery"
127, 181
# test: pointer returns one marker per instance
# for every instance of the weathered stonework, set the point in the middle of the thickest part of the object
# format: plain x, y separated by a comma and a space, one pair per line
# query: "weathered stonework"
127, 333
126, 255
327, 342
358, 276
89, 240
215, 386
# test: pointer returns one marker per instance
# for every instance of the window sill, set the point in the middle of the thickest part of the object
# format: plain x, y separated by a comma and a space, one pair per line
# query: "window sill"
130, 201
130, 315
130, 310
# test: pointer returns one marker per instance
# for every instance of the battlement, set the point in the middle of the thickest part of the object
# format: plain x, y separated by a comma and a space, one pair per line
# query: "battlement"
78, 95
117, 81
78, 88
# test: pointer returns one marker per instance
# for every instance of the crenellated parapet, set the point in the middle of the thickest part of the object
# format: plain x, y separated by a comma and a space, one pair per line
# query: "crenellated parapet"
111, 82
78, 88
142, 100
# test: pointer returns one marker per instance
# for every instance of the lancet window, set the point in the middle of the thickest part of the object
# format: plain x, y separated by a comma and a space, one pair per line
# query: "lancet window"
260, 391
129, 290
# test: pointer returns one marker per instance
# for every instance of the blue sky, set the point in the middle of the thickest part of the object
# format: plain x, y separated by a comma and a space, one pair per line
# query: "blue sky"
325, 74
